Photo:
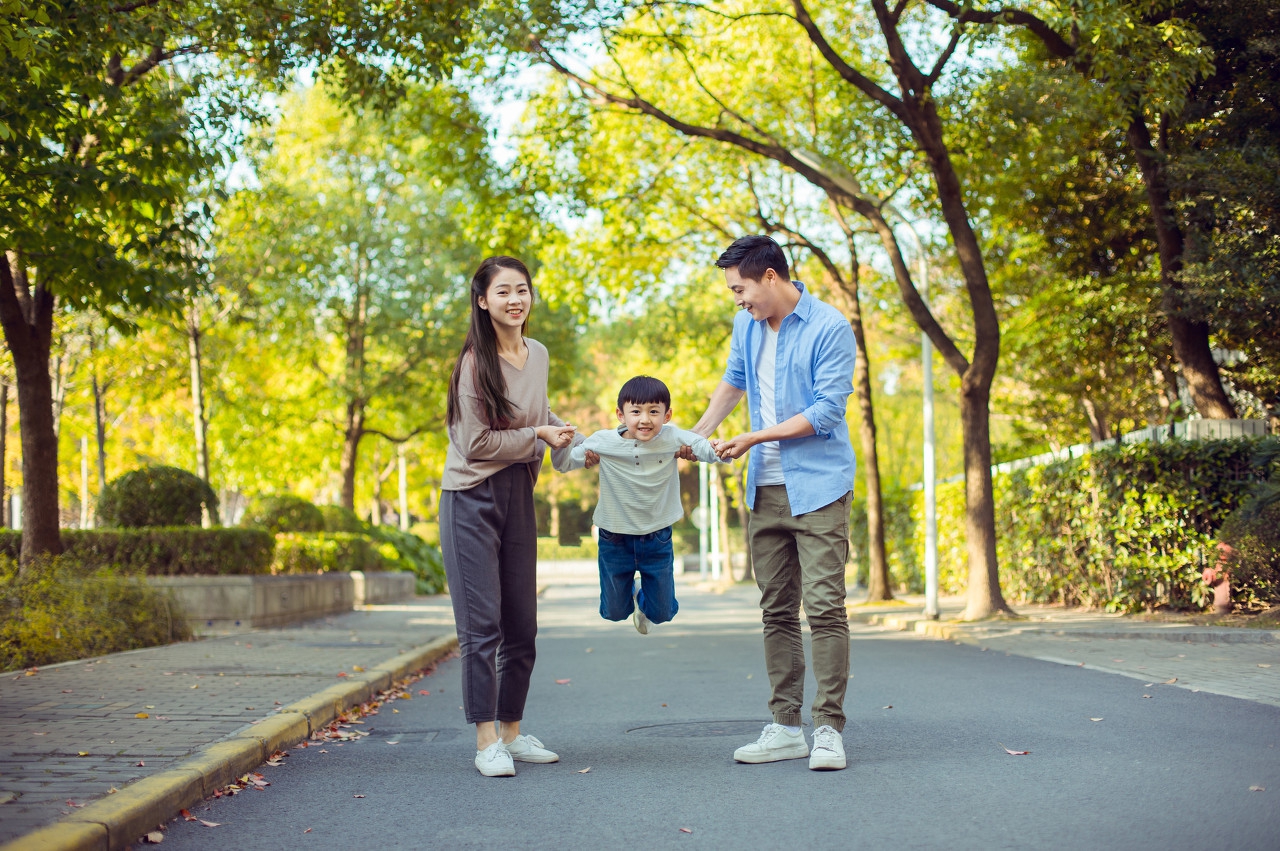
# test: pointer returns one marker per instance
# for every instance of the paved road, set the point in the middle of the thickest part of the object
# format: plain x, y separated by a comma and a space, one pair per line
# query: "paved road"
646, 727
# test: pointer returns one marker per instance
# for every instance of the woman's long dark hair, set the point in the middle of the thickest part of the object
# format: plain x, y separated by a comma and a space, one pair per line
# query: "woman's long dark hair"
482, 342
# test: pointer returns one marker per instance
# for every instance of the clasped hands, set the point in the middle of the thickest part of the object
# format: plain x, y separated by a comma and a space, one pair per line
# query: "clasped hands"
726, 450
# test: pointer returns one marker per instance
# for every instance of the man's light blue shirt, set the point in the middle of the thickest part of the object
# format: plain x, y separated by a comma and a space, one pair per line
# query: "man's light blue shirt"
813, 376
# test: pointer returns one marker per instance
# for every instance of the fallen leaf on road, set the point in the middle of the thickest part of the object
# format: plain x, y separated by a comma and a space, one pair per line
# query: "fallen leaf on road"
563, 682
66, 691
685, 830
1171, 681
155, 837
358, 669
1095, 719
141, 715
71, 803
357, 796
393, 743
210, 823
1263, 665
140, 764
590, 650
308, 830
186, 815
585, 770
1013, 753
1147, 685
1147, 696
890, 706
82, 753
40, 734
197, 685
664, 704
30, 672
322, 750
423, 692
342, 673
1257, 788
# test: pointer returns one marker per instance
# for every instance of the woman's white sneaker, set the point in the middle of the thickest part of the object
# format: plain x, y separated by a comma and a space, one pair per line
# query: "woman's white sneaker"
495, 761
828, 750
528, 749
775, 743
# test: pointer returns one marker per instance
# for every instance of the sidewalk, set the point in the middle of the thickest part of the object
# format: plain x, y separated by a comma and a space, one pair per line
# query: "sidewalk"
94, 754
1232, 661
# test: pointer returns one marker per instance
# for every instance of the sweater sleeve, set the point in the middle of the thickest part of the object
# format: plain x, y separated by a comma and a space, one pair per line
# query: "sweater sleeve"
477, 441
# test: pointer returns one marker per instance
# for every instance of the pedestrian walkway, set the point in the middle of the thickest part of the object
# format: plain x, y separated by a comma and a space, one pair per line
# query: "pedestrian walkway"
99, 752
1231, 661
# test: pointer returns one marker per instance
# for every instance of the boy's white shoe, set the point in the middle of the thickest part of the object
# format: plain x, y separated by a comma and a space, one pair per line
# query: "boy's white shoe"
529, 749
495, 761
637, 616
775, 743
828, 750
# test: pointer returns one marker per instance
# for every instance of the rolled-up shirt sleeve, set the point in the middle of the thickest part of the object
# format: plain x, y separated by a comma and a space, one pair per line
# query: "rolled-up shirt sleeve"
735, 370
833, 361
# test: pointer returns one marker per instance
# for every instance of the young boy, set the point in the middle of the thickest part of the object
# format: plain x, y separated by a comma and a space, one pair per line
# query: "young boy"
639, 500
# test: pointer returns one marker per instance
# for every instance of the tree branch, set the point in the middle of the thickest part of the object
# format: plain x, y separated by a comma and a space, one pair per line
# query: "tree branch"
1056, 44
932, 76
850, 74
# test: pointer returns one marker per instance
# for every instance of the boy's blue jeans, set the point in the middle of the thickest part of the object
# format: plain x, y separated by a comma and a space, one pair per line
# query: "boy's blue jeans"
621, 557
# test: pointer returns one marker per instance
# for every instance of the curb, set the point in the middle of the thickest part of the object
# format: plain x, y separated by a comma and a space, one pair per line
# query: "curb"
973, 632
117, 821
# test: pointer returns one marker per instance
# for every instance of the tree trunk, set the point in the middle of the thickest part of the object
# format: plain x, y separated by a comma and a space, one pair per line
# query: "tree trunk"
1190, 338
351, 434
353, 429
100, 429
4, 444
27, 319
1099, 430
984, 596
197, 404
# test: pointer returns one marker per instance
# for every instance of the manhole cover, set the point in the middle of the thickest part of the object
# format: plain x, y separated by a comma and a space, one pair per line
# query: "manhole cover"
699, 729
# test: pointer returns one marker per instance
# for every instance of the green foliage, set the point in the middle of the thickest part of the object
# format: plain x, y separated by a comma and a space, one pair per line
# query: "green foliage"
906, 566
284, 513
159, 551
1255, 564
324, 552
406, 551
156, 496
1126, 528
336, 519
55, 611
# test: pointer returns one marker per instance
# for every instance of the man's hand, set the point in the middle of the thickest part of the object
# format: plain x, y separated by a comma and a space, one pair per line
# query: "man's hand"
686, 452
734, 447
590, 459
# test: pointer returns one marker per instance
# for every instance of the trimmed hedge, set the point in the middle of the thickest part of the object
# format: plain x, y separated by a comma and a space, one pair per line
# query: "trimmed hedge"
325, 552
406, 551
284, 513
156, 496
339, 519
176, 551
1125, 528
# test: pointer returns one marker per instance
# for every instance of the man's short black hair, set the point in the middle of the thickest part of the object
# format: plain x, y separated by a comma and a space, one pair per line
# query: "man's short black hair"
643, 390
752, 256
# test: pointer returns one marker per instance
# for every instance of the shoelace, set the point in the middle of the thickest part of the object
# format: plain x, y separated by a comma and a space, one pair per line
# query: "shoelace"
767, 733
824, 740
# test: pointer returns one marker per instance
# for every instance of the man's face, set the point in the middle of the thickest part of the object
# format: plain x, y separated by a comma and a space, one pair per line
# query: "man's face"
643, 420
759, 298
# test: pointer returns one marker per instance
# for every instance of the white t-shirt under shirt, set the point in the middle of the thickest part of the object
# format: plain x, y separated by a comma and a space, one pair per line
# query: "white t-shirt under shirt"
770, 470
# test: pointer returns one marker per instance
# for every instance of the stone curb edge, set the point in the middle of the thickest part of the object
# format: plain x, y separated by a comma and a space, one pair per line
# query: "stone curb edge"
117, 821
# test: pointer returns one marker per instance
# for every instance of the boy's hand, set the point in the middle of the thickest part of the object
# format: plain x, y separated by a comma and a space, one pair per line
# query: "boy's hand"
590, 459
686, 452
557, 437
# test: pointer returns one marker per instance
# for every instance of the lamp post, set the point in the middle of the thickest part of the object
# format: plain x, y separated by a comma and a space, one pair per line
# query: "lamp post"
930, 474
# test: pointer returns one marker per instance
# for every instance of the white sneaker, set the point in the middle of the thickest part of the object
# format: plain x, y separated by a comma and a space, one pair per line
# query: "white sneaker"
528, 749
774, 744
495, 761
828, 750
638, 617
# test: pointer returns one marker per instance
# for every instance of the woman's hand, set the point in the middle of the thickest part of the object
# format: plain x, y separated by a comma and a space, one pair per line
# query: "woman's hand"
557, 437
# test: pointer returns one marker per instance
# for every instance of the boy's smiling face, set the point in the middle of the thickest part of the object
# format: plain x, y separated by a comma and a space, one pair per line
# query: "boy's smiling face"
643, 419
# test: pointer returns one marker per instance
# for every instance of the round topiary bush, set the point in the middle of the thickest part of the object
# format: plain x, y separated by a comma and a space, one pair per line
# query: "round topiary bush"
339, 519
156, 496
284, 513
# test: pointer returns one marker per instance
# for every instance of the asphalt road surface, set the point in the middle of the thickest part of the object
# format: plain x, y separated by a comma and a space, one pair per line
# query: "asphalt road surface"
646, 727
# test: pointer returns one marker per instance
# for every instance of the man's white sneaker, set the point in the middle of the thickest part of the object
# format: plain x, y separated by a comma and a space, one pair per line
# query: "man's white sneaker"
528, 749
775, 743
637, 616
495, 761
828, 750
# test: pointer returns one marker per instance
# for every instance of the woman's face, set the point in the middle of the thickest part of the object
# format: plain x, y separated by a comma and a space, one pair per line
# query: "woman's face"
508, 299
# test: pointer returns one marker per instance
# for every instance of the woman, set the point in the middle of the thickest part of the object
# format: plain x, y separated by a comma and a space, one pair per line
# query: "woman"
499, 428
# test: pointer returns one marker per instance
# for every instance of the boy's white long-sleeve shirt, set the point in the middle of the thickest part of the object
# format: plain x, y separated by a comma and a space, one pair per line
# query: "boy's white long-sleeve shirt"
639, 480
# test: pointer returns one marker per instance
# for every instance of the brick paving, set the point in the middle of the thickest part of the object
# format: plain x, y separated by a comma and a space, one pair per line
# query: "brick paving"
74, 732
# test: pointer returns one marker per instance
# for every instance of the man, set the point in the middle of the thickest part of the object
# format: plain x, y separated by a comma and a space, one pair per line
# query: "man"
792, 357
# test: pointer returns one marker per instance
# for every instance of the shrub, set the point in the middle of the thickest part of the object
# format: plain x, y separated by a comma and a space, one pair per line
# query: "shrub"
178, 551
1253, 531
325, 552
339, 519
406, 551
54, 612
284, 513
156, 496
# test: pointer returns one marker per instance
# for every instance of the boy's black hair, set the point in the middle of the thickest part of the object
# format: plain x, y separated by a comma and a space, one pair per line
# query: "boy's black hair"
752, 256
643, 390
